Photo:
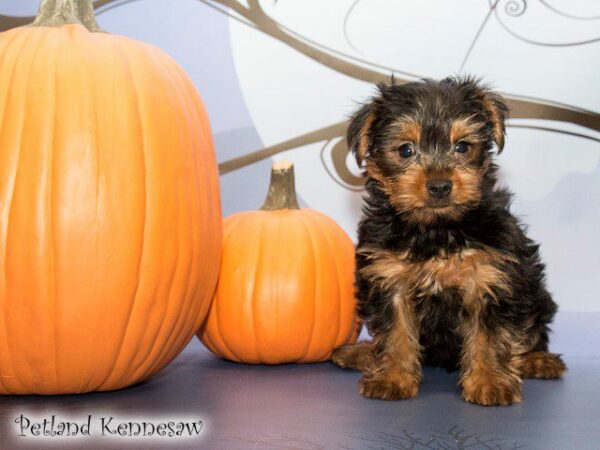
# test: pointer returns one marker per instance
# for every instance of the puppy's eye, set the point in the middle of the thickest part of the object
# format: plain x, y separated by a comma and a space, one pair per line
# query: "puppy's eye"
461, 147
406, 150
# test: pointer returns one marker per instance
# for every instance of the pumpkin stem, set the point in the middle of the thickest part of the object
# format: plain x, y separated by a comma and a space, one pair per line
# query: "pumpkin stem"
282, 190
56, 13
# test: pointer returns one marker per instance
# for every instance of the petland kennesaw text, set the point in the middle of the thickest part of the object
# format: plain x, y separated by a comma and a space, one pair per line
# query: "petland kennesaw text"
55, 427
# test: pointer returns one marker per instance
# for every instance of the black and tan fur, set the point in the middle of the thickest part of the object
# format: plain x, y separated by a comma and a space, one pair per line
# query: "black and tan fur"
447, 279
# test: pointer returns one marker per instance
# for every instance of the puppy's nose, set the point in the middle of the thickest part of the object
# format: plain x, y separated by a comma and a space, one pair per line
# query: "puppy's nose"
439, 188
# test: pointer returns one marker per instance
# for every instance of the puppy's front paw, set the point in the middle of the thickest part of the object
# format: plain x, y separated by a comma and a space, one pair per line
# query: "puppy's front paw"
389, 386
490, 389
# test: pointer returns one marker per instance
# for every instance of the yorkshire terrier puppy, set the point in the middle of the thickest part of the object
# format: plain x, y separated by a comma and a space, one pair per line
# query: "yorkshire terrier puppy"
445, 275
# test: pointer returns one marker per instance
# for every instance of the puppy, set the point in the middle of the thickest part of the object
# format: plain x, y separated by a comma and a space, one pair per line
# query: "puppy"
445, 275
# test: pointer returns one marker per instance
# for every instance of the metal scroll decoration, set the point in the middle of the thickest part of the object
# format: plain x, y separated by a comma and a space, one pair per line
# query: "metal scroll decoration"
514, 9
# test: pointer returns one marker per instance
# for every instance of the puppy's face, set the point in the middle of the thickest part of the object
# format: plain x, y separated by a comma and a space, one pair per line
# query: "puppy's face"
427, 144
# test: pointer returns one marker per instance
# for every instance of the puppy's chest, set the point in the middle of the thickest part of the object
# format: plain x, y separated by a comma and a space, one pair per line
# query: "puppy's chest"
472, 272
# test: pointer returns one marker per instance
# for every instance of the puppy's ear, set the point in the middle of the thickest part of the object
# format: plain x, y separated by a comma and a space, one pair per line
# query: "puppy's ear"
358, 136
492, 103
498, 113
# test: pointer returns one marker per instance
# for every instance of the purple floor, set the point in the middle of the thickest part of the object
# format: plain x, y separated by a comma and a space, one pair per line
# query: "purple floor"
316, 406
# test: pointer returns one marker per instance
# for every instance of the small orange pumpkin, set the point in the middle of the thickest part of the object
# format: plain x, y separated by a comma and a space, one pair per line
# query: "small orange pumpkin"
110, 223
285, 292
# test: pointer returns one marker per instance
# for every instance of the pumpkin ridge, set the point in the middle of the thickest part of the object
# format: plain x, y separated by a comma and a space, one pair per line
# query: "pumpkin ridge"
150, 360
11, 203
211, 345
229, 225
50, 225
211, 314
306, 229
276, 280
186, 308
85, 385
209, 342
148, 363
255, 279
208, 165
193, 111
318, 227
192, 312
139, 121
8, 44
170, 342
97, 195
325, 234
139, 368
276, 217
221, 334
189, 311
332, 225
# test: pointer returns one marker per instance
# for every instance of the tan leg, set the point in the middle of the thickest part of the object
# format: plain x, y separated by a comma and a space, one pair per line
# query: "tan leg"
544, 365
489, 374
359, 356
398, 369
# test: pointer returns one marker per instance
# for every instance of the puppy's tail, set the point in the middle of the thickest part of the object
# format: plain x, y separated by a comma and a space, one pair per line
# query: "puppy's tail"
359, 356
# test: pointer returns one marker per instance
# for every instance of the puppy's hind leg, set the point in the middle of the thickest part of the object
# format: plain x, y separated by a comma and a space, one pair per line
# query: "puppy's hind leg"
359, 356
543, 365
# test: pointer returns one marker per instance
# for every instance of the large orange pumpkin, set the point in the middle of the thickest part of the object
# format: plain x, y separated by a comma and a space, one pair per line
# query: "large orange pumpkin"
110, 223
285, 292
